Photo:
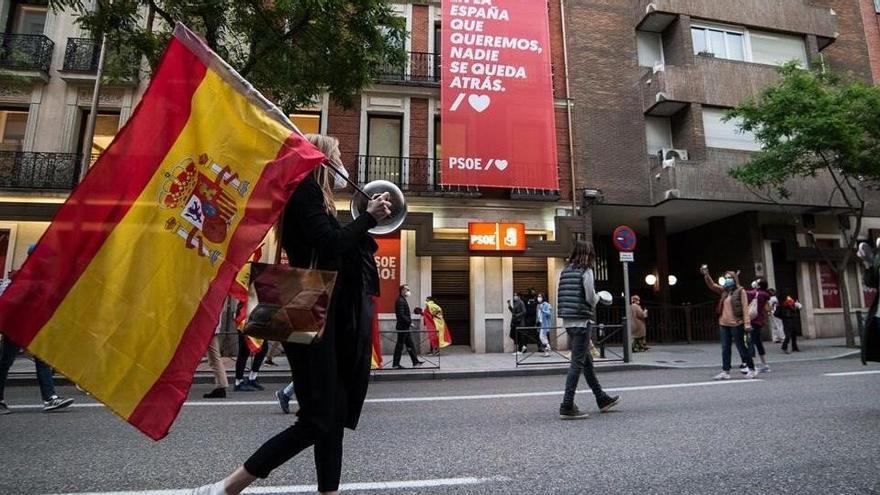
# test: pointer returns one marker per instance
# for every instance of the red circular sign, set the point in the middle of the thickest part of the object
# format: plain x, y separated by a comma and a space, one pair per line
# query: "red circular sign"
624, 239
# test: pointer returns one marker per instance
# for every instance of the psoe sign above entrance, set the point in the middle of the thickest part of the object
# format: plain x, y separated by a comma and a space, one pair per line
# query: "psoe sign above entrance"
492, 236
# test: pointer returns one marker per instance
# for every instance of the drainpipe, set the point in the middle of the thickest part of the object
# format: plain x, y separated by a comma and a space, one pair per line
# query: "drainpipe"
568, 110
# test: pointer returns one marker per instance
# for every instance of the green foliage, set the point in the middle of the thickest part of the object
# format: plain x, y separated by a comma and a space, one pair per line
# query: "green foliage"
813, 122
291, 50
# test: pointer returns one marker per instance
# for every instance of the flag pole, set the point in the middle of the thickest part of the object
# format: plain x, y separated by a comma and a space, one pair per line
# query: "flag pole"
93, 114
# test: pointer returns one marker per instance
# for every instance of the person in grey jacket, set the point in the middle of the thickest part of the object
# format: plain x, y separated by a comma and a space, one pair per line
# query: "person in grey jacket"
576, 304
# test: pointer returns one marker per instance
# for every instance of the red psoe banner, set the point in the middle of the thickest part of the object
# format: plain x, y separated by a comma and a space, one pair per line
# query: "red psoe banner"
388, 262
498, 126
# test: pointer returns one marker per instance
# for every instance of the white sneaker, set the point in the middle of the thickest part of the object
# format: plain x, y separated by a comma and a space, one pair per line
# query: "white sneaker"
751, 374
722, 376
744, 370
524, 349
217, 488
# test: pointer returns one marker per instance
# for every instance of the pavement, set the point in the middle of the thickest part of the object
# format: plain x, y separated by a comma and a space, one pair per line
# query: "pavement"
460, 362
809, 427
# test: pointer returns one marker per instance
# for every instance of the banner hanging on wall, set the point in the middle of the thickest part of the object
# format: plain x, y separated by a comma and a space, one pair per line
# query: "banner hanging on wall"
497, 118
388, 263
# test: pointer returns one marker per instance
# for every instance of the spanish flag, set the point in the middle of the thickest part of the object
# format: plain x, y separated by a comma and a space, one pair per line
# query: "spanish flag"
123, 292
376, 357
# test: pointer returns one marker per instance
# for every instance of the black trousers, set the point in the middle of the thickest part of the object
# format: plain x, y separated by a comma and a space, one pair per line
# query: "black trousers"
404, 338
290, 442
790, 336
243, 353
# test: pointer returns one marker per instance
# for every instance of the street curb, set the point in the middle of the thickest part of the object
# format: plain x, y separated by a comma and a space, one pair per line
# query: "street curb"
283, 376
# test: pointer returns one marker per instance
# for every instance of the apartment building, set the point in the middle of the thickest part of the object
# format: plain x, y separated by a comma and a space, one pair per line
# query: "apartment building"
650, 81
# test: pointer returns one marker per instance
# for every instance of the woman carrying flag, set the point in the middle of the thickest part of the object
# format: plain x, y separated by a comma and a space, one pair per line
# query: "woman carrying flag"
435, 324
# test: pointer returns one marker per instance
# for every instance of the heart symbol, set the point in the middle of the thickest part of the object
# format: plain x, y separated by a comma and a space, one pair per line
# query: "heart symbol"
501, 164
479, 102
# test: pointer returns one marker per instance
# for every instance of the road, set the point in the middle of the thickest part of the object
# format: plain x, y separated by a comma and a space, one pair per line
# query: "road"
796, 431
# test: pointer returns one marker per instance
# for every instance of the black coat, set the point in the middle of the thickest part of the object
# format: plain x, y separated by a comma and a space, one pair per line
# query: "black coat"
331, 376
401, 310
870, 339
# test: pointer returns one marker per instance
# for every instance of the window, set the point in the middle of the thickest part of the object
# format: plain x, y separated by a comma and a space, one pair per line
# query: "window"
106, 127
307, 122
877, 6
777, 49
761, 47
720, 134
30, 19
658, 134
721, 42
829, 282
13, 125
384, 148
650, 48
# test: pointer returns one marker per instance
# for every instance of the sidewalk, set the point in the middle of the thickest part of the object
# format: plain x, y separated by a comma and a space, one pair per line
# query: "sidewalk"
460, 362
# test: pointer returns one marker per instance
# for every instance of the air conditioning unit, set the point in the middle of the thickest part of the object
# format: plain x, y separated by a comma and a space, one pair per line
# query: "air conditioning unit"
673, 154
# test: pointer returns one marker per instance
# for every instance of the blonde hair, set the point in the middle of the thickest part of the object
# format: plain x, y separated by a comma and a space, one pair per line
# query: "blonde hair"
330, 147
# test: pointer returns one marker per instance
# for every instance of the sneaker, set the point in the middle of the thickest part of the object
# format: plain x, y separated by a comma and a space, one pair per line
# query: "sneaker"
743, 369
751, 374
607, 402
546, 354
217, 393
4, 409
722, 376
217, 488
418, 363
572, 412
764, 369
283, 401
269, 362
256, 385
55, 403
244, 386
524, 349
397, 367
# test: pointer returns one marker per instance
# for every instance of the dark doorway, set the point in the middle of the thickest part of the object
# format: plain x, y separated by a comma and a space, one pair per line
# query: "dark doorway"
785, 275
451, 288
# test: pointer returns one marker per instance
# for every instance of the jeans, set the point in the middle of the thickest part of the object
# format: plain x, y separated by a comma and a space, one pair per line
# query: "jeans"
581, 362
755, 342
44, 373
404, 338
736, 335
243, 353
544, 336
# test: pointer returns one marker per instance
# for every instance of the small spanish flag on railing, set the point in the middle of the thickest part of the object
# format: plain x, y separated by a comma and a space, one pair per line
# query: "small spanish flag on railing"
123, 292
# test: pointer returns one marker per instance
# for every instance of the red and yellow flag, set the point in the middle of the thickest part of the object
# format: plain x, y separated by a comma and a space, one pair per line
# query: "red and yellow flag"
123, 292
376, 357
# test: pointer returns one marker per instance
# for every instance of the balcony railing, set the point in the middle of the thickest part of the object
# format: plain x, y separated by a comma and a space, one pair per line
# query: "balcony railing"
25, 52
411, 174
38, 171
82, 54
419, 69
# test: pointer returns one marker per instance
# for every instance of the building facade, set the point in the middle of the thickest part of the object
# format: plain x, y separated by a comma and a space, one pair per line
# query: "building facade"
650, 81
642, 77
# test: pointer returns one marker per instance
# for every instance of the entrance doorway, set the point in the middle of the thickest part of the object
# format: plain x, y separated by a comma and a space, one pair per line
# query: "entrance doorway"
785, 275
451, 288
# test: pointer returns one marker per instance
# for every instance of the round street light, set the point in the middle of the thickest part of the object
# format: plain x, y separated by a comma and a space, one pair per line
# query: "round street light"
672, 280
651, 279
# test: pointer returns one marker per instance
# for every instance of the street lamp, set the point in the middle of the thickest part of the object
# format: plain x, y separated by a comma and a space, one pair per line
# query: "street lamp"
672, 280
651, 279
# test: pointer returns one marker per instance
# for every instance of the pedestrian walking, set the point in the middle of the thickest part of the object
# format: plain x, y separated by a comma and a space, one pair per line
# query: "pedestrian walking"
9, 351
404, 329
759, 299
250, 383
530, 319
788, 313
545, 315
517, 320
775, 323
639, 325
577, 301
330, 375
215, 362
733, 320
434, 321
870, 337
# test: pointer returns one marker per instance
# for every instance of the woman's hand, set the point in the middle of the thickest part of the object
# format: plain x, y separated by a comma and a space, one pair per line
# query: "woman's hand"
379, 207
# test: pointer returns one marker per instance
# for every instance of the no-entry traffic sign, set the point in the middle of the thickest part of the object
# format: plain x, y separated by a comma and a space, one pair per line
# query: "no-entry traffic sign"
624, 239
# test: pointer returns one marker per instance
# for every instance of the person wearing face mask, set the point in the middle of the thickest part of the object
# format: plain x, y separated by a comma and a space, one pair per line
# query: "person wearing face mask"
733, 321
544, 317
404, 327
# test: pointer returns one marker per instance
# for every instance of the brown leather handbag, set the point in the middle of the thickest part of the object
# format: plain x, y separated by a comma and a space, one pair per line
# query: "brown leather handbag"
288, 304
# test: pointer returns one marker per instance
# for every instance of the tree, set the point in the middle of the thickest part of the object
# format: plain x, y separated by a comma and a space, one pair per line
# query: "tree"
291, 50
816, 125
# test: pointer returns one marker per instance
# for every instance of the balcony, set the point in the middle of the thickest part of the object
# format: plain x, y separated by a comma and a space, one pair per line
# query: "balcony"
419, 69
34, 171
82, 54
412, 174
794, 16
710, 81
26, 52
